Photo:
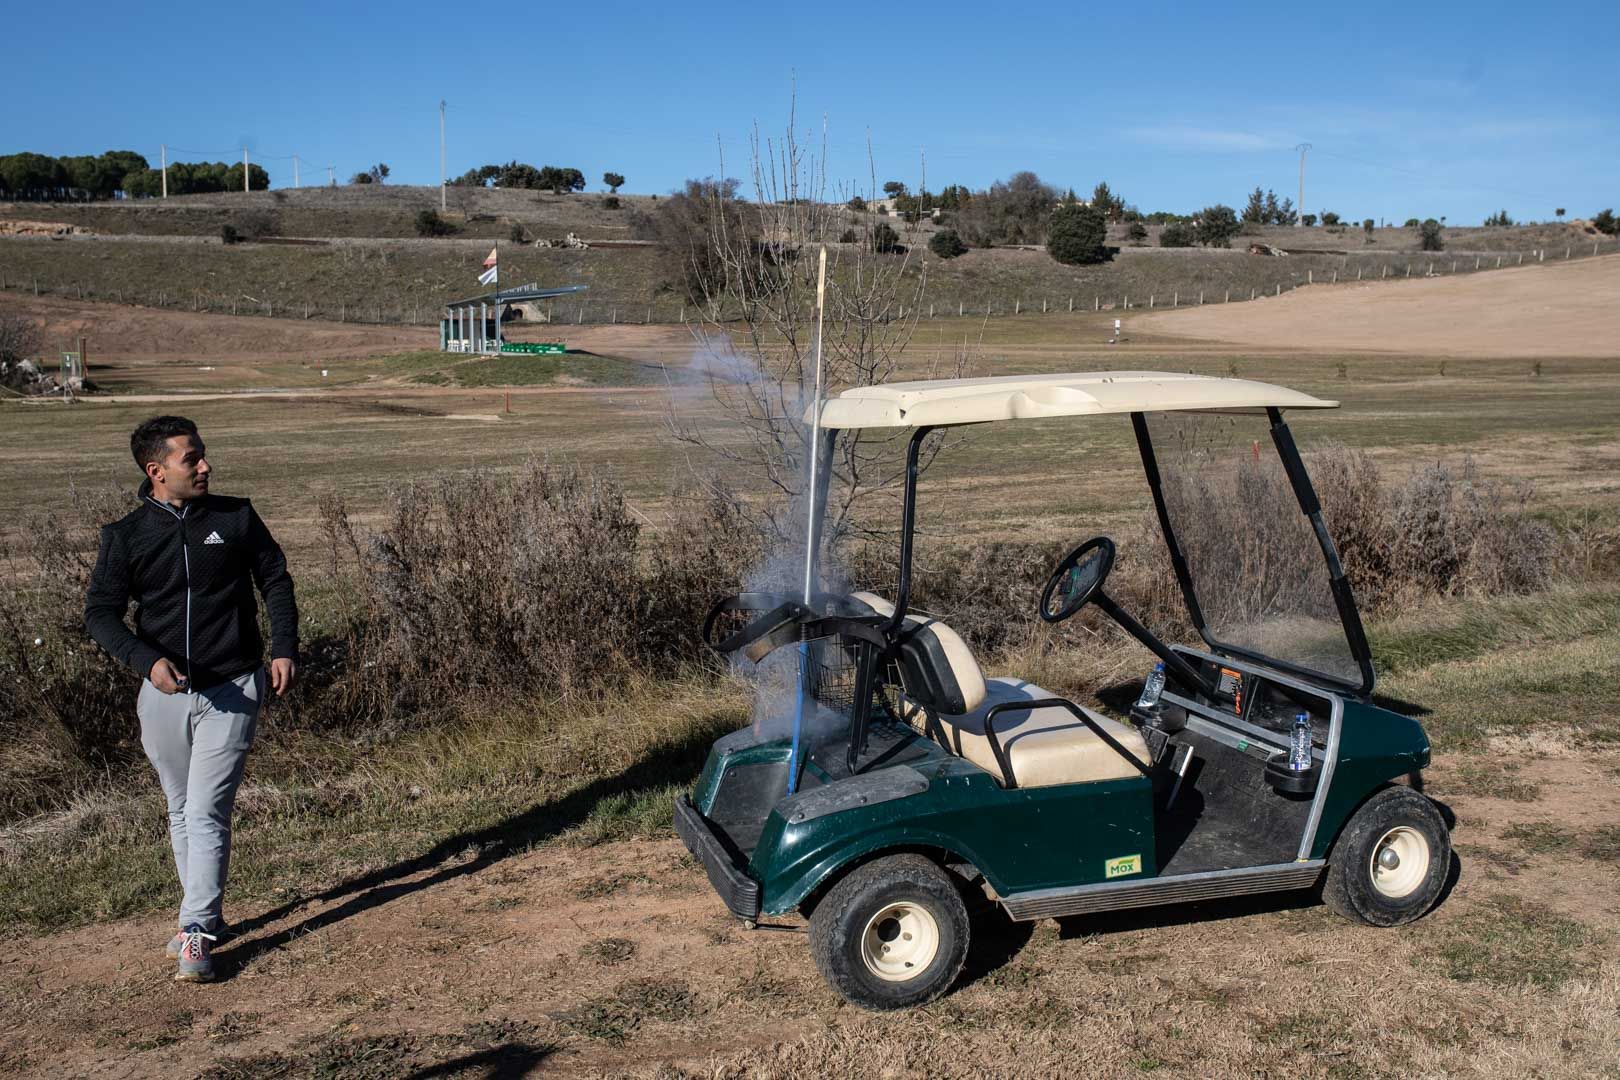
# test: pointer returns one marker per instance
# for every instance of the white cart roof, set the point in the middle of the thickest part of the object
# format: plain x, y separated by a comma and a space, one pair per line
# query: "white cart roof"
942, 402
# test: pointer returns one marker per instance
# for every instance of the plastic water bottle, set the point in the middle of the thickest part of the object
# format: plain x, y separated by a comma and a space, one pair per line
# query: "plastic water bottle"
1299, 749
1152, 689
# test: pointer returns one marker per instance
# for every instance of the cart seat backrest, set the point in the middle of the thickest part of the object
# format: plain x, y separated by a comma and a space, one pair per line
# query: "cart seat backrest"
1044, 746
940, 670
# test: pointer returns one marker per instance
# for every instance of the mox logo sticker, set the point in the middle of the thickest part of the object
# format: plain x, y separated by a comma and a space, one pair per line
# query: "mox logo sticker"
1123, 866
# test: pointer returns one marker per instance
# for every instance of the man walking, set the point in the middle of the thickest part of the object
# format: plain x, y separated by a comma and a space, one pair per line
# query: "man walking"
190, 560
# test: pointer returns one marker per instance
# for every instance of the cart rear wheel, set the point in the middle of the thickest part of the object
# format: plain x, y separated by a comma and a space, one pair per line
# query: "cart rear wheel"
1390, 864
891, 934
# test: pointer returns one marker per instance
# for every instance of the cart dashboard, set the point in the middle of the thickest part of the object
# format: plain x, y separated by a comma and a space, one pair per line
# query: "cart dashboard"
1253, 708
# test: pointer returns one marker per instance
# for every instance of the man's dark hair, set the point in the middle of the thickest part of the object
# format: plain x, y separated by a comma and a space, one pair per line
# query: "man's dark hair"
149, 442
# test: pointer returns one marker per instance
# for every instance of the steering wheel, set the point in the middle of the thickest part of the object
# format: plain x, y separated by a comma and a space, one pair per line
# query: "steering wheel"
1078, 579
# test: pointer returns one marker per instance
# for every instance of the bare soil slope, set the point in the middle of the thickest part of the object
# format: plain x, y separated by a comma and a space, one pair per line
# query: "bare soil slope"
1554, 309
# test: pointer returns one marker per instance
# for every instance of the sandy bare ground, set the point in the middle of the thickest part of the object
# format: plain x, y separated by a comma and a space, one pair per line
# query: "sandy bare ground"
619, 958
1554, 309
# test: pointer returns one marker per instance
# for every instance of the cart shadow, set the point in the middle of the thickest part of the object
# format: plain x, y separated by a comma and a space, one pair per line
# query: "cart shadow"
676, 762
504, 1062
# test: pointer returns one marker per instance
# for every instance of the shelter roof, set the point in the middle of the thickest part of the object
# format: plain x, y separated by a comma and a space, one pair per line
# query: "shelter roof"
519, 294
942, 402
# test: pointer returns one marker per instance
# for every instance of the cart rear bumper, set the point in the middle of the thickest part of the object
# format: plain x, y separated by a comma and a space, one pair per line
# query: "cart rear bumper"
736, 888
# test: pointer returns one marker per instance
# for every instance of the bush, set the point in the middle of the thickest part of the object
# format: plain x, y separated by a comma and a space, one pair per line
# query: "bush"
64, 703
429, 223
1367, 226
229, 235
517, 234
1137, 232
1412, 223
1329, 218
436, 614
1178, 234
560, 181
947, 244
1217, 225
1430, 236
480, 586
1308, 220
884, 239
563, 599
257, 224
1604, 221
1077, 235
610, 202
20, 337
1498, 219
857, 204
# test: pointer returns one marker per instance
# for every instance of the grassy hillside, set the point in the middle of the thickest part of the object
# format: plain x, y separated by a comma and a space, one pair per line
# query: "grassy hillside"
386, 211
408, 281
389, 212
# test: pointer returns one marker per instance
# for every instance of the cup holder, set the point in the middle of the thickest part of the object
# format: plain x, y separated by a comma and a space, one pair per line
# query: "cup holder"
1286, 781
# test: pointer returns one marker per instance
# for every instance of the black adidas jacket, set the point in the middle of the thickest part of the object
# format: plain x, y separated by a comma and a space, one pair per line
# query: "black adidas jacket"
192, 573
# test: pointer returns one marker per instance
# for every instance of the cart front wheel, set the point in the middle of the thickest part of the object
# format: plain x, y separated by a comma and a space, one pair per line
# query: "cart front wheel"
1390, 863
891, 934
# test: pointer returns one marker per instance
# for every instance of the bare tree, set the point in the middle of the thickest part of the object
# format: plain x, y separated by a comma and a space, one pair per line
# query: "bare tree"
756, 326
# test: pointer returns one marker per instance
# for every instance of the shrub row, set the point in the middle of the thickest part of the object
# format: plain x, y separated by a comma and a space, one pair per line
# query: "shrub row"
540, 584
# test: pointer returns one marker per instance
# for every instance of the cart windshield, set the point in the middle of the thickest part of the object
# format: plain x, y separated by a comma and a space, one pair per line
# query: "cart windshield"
1258, 574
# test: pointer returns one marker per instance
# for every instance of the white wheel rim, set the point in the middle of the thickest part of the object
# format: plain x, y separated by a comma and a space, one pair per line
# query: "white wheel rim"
1399, 862
899, 942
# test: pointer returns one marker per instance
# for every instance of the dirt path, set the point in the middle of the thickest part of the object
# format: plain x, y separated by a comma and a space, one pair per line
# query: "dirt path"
619, 958
1554, 309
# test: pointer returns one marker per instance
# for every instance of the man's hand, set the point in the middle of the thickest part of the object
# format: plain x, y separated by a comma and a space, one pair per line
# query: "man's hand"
166, 678
282, 673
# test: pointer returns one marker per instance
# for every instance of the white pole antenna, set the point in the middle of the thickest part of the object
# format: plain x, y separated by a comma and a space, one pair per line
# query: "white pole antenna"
1302, 147
815, 434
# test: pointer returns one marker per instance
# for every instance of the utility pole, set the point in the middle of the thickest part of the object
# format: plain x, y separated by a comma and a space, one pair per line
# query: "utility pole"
441, 156
163, 156
295, 170
244, 169
1302, 147
331, 176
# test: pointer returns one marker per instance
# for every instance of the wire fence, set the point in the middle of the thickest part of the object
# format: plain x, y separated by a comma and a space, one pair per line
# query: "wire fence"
1278, 275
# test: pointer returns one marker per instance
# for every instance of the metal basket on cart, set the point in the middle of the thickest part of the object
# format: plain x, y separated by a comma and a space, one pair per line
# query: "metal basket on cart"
830, 674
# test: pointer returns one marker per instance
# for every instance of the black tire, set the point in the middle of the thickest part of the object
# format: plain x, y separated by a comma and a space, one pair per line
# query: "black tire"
885, 897
1400, 819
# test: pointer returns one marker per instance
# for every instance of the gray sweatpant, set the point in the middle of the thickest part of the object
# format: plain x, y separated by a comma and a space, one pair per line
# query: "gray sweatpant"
198, 743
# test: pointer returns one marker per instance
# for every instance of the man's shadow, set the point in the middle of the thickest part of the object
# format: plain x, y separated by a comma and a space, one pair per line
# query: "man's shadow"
673, 762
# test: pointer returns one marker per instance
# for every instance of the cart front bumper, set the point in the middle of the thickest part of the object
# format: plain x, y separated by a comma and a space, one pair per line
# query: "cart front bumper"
736, 888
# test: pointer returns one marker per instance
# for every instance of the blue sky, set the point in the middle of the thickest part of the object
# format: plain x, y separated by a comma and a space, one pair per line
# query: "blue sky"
1413, 109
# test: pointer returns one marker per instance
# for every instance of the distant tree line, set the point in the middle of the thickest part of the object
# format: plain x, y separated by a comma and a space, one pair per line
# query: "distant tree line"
83, 178
518, 174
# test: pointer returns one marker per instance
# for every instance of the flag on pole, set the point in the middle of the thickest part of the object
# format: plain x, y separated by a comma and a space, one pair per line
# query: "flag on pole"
491, 270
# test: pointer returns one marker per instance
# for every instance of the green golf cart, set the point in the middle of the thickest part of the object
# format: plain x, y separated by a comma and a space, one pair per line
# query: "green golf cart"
897, 780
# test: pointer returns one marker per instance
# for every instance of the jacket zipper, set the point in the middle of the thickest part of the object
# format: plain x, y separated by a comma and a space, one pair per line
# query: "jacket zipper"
185, 554
185, 559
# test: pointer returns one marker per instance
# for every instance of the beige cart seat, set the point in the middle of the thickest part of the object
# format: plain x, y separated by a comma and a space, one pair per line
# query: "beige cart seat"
1044, 746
